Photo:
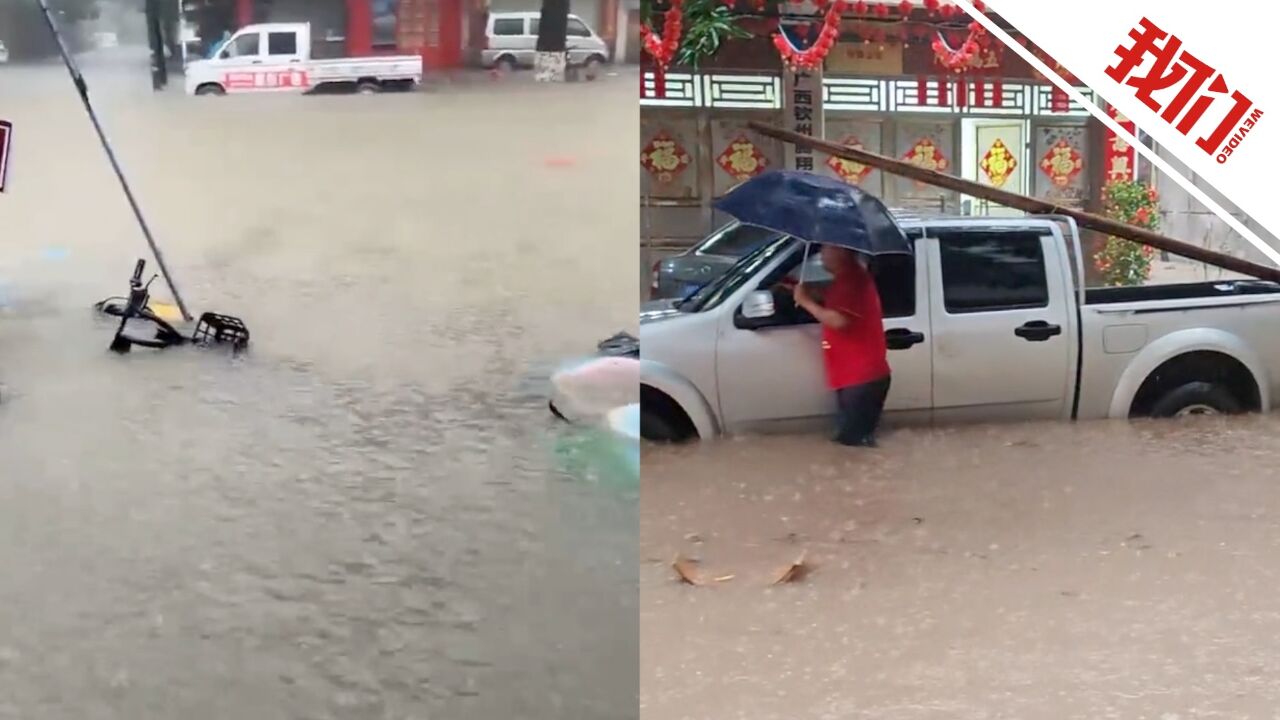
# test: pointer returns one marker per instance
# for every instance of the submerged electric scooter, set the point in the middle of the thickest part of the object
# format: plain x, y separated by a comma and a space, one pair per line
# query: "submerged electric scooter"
135, 310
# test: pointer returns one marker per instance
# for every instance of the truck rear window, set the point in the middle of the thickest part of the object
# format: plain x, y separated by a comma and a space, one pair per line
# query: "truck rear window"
282, 43
989, 272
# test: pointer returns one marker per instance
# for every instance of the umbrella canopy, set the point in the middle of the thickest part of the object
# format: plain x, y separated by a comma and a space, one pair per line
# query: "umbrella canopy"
817, 209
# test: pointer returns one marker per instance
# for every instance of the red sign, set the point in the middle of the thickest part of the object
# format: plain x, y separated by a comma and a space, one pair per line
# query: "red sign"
1121, 157
848, 170
742, 160
266, 80
1173, 67
999, 163
664, 158
6, 133
1062, 163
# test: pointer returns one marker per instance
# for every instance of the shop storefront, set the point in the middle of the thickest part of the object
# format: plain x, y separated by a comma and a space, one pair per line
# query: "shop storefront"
995, 122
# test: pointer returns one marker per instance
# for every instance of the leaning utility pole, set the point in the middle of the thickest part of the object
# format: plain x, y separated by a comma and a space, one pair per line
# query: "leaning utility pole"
1035, 206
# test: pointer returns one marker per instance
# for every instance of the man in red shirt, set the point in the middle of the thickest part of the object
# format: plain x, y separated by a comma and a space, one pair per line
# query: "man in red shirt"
852, 343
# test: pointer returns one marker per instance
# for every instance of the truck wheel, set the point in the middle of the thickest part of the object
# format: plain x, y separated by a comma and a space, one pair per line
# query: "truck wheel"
1197, 398
369, 87
591, 68
211, 89
505, 65
655, 428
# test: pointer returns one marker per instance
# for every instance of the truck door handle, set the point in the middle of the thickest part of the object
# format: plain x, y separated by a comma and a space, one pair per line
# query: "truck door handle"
1037, 331
902, 338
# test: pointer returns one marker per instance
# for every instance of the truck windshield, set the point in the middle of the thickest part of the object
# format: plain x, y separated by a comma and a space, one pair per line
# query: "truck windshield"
735, 240
715, 292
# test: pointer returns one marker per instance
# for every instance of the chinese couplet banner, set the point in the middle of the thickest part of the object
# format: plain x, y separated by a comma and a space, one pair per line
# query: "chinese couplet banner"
1121, 157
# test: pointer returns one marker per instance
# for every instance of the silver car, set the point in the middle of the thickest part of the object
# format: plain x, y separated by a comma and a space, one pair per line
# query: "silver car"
681, 275
511, 41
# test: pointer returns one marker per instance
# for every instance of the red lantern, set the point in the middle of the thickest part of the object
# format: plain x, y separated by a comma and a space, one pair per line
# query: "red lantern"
979, 6
932, 5
860, 7
812, 56
882, 10
905, 7
948, 10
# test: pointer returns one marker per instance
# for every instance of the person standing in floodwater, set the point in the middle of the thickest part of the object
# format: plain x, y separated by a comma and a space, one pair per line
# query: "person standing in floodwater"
853, 343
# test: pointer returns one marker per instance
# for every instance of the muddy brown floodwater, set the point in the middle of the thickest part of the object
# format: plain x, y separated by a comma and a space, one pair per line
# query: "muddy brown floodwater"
370, 515
1099, 570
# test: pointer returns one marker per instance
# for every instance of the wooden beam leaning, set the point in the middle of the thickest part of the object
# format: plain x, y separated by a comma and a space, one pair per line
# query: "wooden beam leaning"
1027, 204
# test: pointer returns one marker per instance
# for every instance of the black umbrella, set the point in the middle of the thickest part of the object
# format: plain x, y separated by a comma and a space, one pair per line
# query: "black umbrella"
816, 209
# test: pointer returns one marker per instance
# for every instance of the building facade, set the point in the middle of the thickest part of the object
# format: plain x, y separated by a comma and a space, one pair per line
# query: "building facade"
996, 123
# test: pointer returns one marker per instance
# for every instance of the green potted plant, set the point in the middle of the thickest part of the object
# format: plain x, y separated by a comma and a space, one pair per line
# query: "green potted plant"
1123, 262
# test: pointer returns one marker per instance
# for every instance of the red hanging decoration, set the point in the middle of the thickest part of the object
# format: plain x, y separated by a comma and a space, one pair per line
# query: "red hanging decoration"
932, 5
860, 7
957, 60
663, 49
979, 6
882, 11
813, 56
948, 10
905, 7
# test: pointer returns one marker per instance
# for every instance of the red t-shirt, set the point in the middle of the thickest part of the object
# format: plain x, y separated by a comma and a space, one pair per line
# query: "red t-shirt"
857, 353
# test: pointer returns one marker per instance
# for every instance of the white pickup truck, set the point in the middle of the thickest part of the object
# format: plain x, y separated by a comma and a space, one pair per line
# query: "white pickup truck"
276, 57
987, 321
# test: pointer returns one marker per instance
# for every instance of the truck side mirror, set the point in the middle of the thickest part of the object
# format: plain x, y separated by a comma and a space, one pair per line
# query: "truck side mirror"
756, 311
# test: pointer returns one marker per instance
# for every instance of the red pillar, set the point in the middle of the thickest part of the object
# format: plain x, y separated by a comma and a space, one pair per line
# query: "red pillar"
450, 33
244, 12
359, 28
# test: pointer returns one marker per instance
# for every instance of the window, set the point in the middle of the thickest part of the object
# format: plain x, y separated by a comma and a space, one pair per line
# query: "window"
385, 22
509, 26
992, 271
895, 281
243, 46
735, 240
533, 28
576, 28
282, 43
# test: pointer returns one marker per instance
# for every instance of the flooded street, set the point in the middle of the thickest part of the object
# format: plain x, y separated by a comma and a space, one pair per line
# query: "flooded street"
369, 515
1100, 570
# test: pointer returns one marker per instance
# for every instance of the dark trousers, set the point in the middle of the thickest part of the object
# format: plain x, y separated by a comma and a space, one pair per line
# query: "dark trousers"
859, 412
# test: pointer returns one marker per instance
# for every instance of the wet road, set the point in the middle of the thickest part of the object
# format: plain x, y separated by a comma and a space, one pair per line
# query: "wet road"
1102, 570
370, 515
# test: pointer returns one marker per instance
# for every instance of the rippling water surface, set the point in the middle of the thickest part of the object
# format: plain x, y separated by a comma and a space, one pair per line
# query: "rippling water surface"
1099, 570
371, 514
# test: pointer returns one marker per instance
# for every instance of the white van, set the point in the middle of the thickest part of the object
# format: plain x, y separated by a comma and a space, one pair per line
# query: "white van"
512, 40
